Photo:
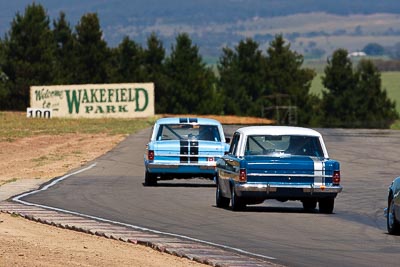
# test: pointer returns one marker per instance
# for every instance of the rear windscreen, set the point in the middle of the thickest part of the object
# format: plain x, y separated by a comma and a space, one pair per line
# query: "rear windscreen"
188, 132
283, 144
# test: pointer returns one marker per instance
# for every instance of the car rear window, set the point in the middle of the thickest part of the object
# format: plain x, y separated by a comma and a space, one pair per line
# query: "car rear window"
188, 132
283, 144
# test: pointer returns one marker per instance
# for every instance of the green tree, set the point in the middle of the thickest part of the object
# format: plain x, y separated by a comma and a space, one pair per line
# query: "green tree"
289, 83
190, 83
395, 51
354, 98
242, 79
340, 100
91, 51
128, 62
29, 55
374, 109
154, 57
4, 91
65, 51
374, 49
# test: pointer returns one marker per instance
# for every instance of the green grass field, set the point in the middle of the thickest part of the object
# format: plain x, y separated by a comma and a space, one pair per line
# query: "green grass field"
390, 82
16, 125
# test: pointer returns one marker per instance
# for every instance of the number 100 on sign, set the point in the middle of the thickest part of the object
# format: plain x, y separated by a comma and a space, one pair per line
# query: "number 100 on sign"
38, 113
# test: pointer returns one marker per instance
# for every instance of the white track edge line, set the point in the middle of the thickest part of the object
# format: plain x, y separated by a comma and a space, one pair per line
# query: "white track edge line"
17, 199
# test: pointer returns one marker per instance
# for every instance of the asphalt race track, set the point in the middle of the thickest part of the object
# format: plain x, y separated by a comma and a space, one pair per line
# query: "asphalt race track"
355, 235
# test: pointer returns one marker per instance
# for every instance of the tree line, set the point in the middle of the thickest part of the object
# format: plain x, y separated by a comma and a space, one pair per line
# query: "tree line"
247, 81
377, 50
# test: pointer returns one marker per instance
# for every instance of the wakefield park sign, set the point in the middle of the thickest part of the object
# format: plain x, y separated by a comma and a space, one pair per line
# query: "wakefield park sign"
127, 100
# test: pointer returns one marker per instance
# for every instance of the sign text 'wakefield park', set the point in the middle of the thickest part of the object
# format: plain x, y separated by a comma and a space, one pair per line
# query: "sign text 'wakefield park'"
128, 100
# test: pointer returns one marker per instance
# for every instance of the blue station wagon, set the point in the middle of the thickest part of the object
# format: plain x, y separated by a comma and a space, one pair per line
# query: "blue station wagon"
277, 162
184, 148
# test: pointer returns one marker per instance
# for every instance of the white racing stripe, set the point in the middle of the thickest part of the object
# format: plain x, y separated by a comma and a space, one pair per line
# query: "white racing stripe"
18, 199
319, 172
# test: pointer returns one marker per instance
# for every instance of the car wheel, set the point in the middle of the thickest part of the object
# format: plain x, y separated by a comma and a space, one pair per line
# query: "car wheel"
236, 202
221, 201
393, 226
326, 205
150, 179
309, 204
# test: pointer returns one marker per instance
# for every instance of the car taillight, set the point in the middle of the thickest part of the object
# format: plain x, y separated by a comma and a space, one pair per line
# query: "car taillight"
150, 155
336, 178
242, 175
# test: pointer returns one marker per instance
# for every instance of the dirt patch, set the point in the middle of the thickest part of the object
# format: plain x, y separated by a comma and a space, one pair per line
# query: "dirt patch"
51, 156
26, 243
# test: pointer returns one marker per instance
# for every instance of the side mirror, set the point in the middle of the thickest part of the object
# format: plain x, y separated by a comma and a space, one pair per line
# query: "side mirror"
227, 140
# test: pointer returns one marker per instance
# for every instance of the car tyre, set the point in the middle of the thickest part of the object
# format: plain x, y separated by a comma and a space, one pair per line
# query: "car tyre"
326, 205
309, 204
150, 179
393, 226
221, 201
236, 202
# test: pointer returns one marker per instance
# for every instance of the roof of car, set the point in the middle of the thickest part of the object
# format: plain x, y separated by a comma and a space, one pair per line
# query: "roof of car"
278, 130
194, 120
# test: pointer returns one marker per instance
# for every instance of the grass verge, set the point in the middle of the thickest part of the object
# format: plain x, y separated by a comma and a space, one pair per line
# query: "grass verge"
16, 125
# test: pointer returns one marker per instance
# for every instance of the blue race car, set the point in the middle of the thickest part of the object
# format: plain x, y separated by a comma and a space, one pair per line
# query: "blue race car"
277, 162
184, 148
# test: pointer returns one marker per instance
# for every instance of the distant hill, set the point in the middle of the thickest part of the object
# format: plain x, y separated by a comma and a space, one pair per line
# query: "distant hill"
213, 24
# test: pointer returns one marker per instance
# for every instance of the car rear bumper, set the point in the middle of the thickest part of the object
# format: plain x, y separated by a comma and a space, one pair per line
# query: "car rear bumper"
182, 168
286, 190
152, 166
